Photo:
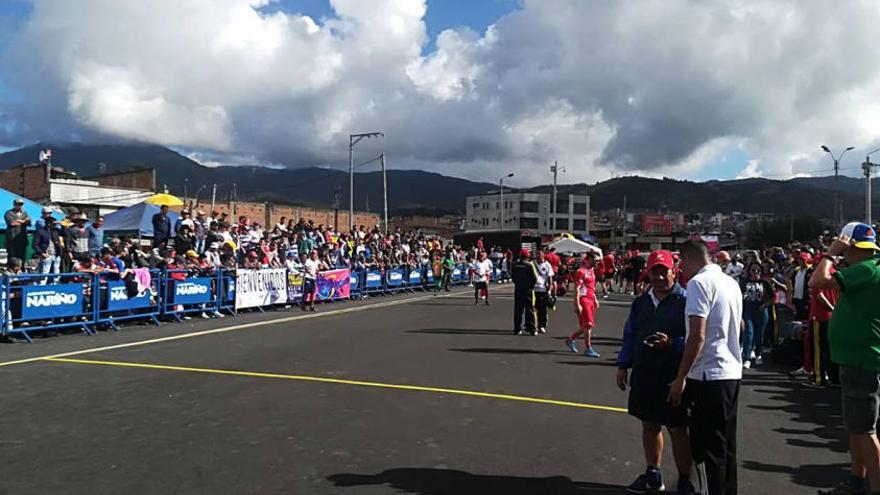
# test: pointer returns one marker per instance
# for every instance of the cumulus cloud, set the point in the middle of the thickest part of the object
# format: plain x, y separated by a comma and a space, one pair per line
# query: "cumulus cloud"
658, 87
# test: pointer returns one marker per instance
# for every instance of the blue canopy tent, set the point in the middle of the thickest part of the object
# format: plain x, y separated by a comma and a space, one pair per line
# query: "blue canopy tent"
137, 218
33, 209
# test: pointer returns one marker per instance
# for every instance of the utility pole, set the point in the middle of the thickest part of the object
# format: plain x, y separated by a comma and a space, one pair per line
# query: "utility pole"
354, 139
213, 197
623, 228
234, 197
588, 212
866, 168
337, 200
385, 193
838, 206
555, 169
501, 198
185, 184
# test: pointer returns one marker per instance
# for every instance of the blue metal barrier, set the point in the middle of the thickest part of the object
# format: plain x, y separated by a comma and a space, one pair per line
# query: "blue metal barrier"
459, 274
115, 305
33, 307
226, 282
189, 295
374, 282
414, 279
356, 279
395, 279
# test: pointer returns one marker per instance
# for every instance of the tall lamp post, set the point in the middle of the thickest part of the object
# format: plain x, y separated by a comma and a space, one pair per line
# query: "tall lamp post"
354, 139
501, 202
866, 167
838, 208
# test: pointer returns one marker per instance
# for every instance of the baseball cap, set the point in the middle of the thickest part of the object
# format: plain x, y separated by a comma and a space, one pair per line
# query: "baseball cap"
214, 245
661, 257
47, 210
252, 254
17, 201
722, 255
860, 235
805, 256
524, 253
192, 254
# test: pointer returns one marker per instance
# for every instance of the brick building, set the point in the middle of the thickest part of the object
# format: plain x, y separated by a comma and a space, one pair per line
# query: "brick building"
103, 194
270, 213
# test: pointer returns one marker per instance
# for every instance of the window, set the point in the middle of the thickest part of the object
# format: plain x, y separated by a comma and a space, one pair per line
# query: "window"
580, 225
562, 206
580, 209
528, 206
561, 224
497, 205
528, 223
476, 206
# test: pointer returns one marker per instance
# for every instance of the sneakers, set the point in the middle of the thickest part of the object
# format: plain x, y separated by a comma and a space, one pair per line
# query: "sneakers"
650, 482
518, 332
752, 355
590, 353
571, 345
799, 372
843, 489
747, 365
542, 330
205, 315
685, 487
759, 360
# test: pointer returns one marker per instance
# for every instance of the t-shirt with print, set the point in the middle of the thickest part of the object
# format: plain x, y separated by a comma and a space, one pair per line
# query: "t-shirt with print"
585, 279
854, 331
545, 275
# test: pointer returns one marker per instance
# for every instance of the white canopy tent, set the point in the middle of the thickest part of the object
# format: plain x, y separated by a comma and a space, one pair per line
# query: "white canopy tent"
573, 246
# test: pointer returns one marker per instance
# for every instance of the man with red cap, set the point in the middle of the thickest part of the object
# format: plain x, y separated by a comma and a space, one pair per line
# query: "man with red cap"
653, 341
525, 276
585, 306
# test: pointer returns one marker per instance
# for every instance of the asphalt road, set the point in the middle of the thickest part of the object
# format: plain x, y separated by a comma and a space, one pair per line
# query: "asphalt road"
292, 404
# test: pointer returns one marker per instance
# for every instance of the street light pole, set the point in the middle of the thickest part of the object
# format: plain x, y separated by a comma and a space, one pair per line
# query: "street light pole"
555, 169
866, 168
354, 139
385, 193
501, 196
838, 207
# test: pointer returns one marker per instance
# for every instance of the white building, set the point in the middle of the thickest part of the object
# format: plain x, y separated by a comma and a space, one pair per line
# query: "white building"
530, 212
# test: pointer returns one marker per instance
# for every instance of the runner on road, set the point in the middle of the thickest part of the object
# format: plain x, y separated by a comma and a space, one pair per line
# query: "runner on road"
585, 306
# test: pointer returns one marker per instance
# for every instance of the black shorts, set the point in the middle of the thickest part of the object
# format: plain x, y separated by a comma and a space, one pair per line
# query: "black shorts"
649, 388
481, 284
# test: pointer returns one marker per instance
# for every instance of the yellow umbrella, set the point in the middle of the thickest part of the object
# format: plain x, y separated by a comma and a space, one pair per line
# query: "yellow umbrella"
164, 200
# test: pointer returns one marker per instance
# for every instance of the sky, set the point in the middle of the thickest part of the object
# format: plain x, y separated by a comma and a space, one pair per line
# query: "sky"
690, 89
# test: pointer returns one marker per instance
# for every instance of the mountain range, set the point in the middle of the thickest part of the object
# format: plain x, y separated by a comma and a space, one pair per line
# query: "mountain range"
415, 191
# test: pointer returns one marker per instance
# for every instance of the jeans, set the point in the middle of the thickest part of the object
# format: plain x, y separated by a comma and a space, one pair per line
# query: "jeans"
49, 264
753, 337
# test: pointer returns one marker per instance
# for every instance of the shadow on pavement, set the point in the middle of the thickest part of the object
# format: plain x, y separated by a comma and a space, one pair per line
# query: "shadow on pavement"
818, 410
426, 481
462, 331
589, 362
496, 350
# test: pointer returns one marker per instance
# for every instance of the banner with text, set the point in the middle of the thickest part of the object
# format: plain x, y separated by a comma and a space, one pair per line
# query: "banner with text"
264, 287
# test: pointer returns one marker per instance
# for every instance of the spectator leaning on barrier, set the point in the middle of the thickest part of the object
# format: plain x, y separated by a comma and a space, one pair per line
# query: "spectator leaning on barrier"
711, 366
47, 245
17, 220
854, 335
653, 341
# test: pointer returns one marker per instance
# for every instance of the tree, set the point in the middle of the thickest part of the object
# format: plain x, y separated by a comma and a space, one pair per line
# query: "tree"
780, 231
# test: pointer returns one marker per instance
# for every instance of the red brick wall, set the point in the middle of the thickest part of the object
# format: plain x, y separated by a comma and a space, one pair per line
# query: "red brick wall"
270, 214
134, 179
29, 181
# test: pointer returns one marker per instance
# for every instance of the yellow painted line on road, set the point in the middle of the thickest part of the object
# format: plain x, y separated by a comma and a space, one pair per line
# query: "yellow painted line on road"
232, 328
338, 381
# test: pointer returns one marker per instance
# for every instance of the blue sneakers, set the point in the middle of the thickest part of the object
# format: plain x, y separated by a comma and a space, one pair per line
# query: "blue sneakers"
571, 345
650, 482
589, 352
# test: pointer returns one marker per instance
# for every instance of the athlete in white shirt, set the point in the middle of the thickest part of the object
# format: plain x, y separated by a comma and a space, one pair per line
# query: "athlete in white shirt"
711, 367
482, 270
310, 276
544, 289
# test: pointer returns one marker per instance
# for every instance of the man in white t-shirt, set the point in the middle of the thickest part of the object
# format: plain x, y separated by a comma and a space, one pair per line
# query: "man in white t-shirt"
310, 277
711, 368
544, 289
482, 269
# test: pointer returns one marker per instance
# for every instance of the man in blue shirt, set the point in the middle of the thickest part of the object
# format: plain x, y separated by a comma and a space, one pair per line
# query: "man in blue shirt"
95, 232
653, 340
161, 227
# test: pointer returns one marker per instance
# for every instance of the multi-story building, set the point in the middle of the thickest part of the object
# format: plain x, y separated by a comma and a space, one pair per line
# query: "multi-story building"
531, 212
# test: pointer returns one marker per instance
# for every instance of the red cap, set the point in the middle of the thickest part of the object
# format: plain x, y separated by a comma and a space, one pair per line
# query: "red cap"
805, 256
253, 254
524, 253
660, 257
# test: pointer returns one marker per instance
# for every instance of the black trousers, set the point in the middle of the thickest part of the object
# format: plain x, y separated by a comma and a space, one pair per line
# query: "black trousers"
542, 301
826, 367
801, 309
524, 303
713, 406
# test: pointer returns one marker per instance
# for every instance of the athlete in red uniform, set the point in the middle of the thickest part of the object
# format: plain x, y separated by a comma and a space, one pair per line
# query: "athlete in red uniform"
608, 273
585, 306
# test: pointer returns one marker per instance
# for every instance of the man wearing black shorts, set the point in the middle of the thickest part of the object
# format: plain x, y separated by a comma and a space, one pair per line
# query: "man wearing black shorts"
653, 341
